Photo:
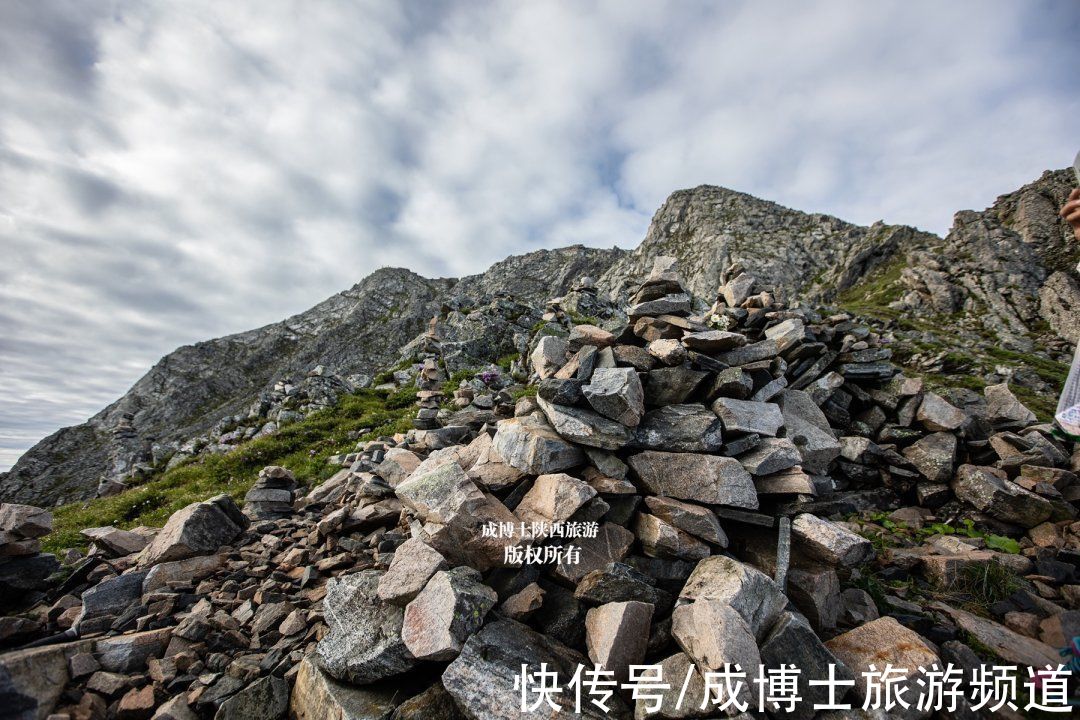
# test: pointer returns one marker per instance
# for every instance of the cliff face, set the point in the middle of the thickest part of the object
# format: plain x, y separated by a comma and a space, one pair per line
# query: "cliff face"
1002, 276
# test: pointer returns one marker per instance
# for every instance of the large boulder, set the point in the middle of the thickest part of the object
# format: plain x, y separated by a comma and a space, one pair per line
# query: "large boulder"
449, 609
690, 427
531, 445
707, 479
26, 521
585, 427
364, 641
989, 491
198, 529
750, 592
616, 393
318, 696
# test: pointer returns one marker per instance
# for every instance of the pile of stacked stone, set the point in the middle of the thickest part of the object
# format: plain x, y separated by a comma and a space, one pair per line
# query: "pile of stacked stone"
272, 495
717, 454
430, 395
24, 569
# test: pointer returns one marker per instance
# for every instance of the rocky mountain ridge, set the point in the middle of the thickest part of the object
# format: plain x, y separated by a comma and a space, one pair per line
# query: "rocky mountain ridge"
1001, 277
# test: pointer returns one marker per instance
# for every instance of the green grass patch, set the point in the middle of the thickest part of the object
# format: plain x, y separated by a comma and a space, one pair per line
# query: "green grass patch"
302, 447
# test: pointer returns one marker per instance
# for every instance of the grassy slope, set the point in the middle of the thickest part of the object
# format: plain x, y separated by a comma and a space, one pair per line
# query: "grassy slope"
302, 447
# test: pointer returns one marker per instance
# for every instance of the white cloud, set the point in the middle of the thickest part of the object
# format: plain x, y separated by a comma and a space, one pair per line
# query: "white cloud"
172, 172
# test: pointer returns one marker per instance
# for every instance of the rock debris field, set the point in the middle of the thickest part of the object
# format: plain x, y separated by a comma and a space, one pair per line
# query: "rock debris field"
757, 486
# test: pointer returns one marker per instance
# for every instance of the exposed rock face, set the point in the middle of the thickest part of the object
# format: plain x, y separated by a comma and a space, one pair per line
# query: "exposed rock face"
198, 529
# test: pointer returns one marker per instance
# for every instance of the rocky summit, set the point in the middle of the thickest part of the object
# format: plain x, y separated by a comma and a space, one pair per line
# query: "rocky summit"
728, 447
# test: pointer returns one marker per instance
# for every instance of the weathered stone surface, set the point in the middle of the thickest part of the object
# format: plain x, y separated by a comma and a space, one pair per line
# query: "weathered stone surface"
531, 445
318, 696
443, 494
990, 492
554, 498
198, 529
449, 609
189, 570
733, 383
675, 702
481, 678
746, 416
1010, 646
713, 341
772, 455
680, 428
116, 542
26, 521
806, 426
672, 385
32, 680
523, 603
364, 640
488, 469
561, 392
397, 465
265, 699
880, 642
616, 393
413, 565
585, 427
617, 635
787, 333
611, 544
1003, 408
830, 542
581, 335
660, 538
815, 590
933, 456
792, 642
792, 481
750, 592
549, 355
936, 414
714, 634
127, 653
694, 519
701, 478
108, 599
668, 351
619, 582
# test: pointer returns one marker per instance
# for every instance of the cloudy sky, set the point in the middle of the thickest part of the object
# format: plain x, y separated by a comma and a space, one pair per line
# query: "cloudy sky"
171, 172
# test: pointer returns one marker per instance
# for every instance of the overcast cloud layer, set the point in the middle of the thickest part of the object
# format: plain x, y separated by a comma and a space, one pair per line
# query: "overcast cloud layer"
171, 172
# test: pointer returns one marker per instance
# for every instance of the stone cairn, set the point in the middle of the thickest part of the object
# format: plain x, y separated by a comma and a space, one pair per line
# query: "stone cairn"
272, 495
738, 461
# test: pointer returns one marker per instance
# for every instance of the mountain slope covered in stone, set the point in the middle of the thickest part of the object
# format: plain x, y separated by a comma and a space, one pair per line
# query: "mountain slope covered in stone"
994, 299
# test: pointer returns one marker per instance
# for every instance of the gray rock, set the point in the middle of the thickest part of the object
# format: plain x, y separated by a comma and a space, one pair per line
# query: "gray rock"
116, 542
933, 456
858, 608
617, 635
829, 542
990, 492
129, 653
611, 544
660, 538
397, 464
672, 385
733, 383
618, 582
693, 519
750, 592
674, 304
553, 498
713, 341
938, 415
680, 428
449, 609
745, 416
198, 529
807, 427
481, 678
714, 635
772, 455
616, 393
26, 521
265, 699
561, 392
413, 565
582, 335
700, 478
364, 642
107, 599
585, 427
793, 642
549, 355
317, 696
815, 590
188, 570
441, 494
1003, 408
787, 333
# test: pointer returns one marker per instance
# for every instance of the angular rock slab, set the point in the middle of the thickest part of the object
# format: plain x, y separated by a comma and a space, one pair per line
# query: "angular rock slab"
933, 456
660, 538
694, 519
701, 478
750, 592
585, 427
986, 490
611, 544
772, 455
829, 542
617, 635
691, 427
26, 521
553, 498
198, 529
531, 445
413, 565
364, 640
449, 609
793, 642
807, 427
713, 634
481, 678
317, 696
747, 416
616, 393
880, 642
